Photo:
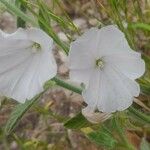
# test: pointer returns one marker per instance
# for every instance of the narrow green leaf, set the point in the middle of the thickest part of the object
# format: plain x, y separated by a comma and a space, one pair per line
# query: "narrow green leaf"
43, 19
17, 114
103, 137
141, 26
12, 8
58, 2
20, 22
77, 122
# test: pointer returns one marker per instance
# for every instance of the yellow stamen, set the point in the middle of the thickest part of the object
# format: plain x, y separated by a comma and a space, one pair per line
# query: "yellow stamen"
99, 63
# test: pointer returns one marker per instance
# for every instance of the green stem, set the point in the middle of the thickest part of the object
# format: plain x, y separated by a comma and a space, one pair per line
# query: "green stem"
67, 85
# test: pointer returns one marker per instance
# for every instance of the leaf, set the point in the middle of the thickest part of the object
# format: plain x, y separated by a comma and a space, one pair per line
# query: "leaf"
49, 84
103, 137
77, 122
12, 8
69, 21
44, 22
17, 114
144, 145
20, 22
142, 26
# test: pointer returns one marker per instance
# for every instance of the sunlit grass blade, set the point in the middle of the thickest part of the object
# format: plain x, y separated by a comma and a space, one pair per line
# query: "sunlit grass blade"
58, 2
142, 26
13, 9
117, 18
20, 21
138, 10
64, 22
46, 26
50, 31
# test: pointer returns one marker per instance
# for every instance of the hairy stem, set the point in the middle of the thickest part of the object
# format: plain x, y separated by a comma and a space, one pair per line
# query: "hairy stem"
67, 85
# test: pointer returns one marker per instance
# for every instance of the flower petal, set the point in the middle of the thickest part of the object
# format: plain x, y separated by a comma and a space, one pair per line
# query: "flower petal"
81, 76
111, 40
19, 34
129, 63
82, 56
2, 34
91, 94
118, 91
83, 50
22, 71
111, 91
32, 35
47, 68
23, 88
10, 78
37, 35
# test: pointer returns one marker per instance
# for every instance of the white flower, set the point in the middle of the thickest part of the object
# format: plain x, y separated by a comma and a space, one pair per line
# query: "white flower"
26, 62
104, 62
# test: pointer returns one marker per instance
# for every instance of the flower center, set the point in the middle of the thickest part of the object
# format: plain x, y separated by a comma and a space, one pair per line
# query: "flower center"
99, 63
36, 47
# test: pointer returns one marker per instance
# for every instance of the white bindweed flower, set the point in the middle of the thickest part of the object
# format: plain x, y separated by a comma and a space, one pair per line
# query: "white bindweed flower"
26, 62
104, 62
